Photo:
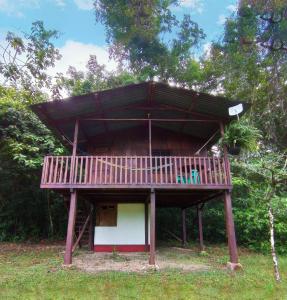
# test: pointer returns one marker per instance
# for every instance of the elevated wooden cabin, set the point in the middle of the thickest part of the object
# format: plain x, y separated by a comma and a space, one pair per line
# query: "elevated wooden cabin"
135, 148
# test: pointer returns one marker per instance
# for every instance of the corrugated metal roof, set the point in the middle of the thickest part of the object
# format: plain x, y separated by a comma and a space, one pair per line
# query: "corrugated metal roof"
160, 100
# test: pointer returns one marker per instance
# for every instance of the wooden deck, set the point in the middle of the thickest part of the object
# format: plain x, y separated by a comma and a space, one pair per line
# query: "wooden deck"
166, 172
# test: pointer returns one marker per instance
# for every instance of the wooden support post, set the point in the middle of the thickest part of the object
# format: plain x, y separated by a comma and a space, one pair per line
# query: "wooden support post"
230, 230
74, 151
152, 228
183, 219
71, 228
91, 229
200, 231
146, 224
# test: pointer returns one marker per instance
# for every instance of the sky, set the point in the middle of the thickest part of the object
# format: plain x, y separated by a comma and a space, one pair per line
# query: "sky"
80, 36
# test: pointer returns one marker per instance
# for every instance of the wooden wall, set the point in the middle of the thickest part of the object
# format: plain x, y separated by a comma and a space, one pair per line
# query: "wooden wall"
134, 141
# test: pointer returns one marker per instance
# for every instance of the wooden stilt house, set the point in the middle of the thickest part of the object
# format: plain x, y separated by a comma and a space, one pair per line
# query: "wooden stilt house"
133, 149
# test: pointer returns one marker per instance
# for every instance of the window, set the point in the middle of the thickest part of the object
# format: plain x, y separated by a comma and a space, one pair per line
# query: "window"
106, 215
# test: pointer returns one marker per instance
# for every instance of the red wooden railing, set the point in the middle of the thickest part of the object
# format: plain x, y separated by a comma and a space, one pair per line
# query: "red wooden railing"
135, 170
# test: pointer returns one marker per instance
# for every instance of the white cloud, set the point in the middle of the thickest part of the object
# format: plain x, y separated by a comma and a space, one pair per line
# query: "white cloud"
221, 19
15, 7
232, 8
76, 54
195, 5
60, 3
84, 4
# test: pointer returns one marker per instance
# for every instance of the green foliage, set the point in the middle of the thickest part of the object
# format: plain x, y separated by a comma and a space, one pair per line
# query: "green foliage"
25, 59
24, 141
243, 134
138, 31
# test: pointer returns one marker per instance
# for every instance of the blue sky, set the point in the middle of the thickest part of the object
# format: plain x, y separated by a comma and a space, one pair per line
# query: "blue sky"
81, 36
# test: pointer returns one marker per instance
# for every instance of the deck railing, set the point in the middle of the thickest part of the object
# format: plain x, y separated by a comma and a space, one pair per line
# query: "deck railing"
134, 171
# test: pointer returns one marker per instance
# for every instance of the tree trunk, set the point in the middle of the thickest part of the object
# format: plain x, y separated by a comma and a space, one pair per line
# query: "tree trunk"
50, 214
272, 243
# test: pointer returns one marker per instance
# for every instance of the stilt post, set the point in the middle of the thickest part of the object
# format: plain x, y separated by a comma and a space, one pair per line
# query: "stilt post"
200, 231
152, 228
183, 218
91, 229
71, 228
146, 224
230, 230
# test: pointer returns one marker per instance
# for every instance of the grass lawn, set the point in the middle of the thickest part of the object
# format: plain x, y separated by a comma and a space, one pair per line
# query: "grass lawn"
35, 272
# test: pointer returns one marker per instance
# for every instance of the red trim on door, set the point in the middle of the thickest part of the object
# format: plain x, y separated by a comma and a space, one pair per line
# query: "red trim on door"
121, 248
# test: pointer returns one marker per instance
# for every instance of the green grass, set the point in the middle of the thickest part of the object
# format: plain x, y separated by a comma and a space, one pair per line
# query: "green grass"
37, 274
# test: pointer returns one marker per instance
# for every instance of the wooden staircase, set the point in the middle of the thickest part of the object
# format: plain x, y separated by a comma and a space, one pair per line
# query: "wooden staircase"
83, 234
80, 222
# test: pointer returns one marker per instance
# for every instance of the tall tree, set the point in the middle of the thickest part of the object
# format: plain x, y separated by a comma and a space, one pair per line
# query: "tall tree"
148, 38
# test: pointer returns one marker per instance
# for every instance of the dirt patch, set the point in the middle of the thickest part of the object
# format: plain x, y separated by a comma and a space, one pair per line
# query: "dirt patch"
131, 262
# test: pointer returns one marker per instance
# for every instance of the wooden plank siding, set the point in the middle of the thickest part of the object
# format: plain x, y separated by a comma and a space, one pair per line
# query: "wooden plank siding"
134, 171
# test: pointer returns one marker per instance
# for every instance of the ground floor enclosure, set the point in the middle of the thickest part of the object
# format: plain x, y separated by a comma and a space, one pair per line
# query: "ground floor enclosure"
125, 220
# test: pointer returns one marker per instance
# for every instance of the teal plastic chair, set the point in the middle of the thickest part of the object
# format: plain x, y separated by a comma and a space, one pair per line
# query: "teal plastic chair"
193, 179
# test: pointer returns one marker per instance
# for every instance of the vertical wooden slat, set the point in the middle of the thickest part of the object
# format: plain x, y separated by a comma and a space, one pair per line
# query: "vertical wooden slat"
121, 170
180, 169
170, 169
141, 170
200, 170
91, 169
111, 169
131, 169
215, 170
205, 171
165, 162
86, 166
136, 169
75, 180
224, 171
146, 171
185, 170
51, 169
101, 169
175, 169
67, 158
126, 171
96, 170
210, 171
61, 168
219, 170
155, 166
160, 163
81, 169
116, 170
106, 169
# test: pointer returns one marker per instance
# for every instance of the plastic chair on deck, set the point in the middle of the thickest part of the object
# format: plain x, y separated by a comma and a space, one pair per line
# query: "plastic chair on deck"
193, 179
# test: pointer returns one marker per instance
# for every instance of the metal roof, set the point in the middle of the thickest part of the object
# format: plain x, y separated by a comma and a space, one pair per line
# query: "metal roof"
136, 101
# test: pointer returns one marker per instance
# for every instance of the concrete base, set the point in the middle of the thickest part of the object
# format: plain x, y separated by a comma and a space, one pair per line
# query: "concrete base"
234, 266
